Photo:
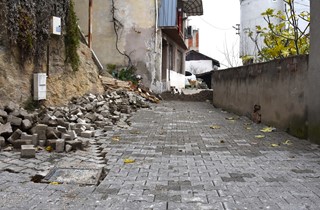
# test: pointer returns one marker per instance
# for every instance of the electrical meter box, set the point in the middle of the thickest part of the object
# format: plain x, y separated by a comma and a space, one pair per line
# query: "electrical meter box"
56, 25
40, 86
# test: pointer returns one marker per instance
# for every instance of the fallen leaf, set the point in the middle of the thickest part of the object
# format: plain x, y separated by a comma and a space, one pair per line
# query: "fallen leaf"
229, 118
116, 138
275, 145
259, 136
134, 132
222, 141
49, 149
287, 142
247, 123
215, 127
267, 129
248, 128
54, 183
128, 160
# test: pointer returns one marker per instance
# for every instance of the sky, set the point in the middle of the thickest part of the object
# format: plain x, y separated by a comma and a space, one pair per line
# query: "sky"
216, 30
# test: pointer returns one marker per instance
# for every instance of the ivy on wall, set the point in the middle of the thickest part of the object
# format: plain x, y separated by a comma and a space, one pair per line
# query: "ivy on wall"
28, 23
72, 38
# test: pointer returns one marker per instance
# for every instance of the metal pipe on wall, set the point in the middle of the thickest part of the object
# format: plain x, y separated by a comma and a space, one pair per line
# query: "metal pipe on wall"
90, 25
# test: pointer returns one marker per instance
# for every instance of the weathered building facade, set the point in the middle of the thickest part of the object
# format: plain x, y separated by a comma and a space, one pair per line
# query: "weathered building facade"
147, 34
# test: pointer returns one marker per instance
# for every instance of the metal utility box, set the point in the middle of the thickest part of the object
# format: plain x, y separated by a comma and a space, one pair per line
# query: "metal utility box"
56, 25
40, 86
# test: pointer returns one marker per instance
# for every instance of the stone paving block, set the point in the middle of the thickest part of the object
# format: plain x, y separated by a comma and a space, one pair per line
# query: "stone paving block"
66, 137
5, 129
26, 124
60, 144
28, 151
75, 144
15, 135
2, 142
41, 130
87, 134
14, 121
35, 140
18, 143
72, 134
61, 129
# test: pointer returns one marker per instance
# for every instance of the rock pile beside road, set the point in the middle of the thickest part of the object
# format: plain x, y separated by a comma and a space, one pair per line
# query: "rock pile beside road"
70, 127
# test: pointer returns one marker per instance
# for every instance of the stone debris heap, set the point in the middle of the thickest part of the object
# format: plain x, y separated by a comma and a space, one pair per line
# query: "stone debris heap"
67, 128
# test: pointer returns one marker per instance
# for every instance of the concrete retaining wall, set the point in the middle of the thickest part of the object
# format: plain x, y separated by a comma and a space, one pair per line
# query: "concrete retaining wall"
278, 87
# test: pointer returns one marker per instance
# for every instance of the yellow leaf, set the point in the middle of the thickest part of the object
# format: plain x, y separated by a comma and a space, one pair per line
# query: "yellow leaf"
49, 149
129, 161
259, 136
116, 138
267, 129
275, 145
54, 183
215, 127
287, 142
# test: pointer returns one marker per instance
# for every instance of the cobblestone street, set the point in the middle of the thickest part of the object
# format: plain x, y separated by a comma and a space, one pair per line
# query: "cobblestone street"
187, 155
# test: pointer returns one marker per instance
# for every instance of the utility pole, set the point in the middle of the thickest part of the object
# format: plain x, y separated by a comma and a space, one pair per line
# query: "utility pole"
90, 25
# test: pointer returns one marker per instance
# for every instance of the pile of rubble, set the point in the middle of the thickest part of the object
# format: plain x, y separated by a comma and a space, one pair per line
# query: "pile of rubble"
67, 128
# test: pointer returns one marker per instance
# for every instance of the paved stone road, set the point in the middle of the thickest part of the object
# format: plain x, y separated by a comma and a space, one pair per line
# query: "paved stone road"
180, 163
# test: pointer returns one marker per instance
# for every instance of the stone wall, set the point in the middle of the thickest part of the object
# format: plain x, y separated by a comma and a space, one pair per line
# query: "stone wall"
279, 87
16, 73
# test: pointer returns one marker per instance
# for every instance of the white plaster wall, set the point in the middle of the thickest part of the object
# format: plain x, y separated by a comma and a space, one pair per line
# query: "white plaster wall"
199, 67
177, 80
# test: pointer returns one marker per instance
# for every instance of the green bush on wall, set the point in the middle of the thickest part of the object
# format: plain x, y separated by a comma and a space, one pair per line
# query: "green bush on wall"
72, 38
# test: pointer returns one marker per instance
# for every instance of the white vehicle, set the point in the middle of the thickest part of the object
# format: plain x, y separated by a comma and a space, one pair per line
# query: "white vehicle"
189, 76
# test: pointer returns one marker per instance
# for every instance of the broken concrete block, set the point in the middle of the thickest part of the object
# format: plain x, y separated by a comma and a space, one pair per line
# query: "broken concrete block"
28, 151
60, 144
26, 124
86, 134
5, 129
68, 148
15, 135
14, 121
2, 142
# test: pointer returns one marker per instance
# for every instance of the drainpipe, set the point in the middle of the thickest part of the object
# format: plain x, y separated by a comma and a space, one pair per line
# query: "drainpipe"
156, 41
90, 25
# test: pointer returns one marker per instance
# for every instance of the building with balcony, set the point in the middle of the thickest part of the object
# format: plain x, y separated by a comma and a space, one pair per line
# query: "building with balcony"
150, 34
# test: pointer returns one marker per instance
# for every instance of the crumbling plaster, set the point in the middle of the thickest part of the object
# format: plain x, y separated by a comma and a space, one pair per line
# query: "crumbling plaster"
137, 36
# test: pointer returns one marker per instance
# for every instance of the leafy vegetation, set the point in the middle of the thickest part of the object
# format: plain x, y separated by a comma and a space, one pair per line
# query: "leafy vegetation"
285, 38
72, 38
